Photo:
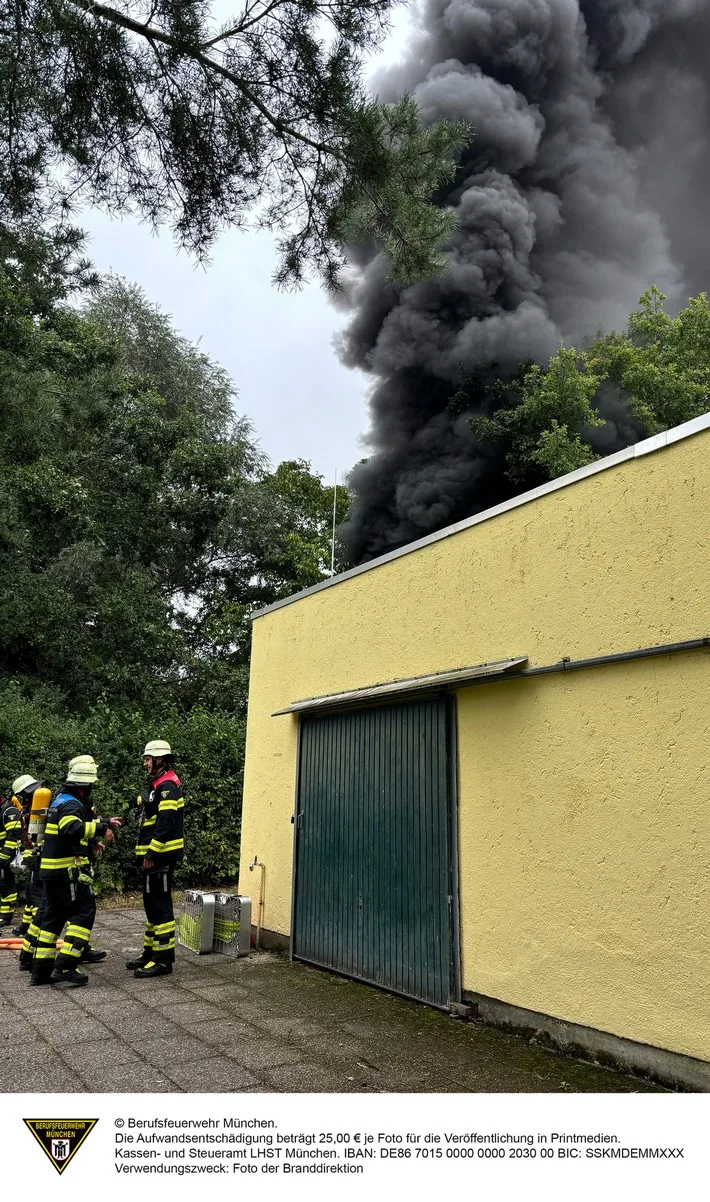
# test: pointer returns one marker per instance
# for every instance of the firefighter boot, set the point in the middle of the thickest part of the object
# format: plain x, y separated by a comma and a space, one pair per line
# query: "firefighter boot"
92, 955
139, 962
40, 976
70, 977
151, 969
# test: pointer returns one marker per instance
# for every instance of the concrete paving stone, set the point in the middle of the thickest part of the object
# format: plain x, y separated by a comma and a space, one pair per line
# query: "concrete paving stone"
215, 1075
222, 1034
11, 1021
34, 999
77, 1027
328, 1045
96, 997
264, 1053
286, 1025
147, 1025
194, 1012
34, 1049
305, 1077
166, 1049
124, 1078
218, 993
97, 1053
50, 1075
153, 987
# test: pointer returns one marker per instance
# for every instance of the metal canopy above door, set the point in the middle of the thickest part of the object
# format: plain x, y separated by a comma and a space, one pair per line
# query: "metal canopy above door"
374, 893
391, 689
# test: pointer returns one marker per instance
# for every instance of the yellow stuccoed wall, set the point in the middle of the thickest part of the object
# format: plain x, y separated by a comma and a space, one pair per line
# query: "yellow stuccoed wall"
584, 840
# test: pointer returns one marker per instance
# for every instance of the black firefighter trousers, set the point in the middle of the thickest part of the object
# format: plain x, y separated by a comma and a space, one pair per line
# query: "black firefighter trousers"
64, 901
159, 938
8, 893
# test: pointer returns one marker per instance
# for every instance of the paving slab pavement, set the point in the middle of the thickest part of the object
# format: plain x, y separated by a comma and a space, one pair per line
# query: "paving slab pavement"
260, 1024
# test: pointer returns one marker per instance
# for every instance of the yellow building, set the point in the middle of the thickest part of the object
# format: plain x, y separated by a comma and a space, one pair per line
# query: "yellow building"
478, 771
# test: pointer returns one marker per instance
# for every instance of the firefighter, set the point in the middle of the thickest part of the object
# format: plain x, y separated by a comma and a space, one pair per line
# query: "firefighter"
160, 848
35, 892
24, 789
68, 896
10, 832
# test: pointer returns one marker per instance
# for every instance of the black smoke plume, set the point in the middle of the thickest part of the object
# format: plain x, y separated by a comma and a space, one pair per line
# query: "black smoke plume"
585, 183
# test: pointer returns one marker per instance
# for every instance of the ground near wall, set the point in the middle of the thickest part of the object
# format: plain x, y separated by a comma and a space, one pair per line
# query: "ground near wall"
260, 1024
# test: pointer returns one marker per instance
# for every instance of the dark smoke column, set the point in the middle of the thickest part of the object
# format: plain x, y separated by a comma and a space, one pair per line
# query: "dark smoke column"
555, 238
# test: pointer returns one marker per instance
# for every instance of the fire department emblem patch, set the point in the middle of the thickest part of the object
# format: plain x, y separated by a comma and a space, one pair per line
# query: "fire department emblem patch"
60, 1139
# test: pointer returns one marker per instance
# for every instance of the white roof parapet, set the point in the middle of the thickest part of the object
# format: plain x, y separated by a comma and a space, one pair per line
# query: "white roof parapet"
656, 443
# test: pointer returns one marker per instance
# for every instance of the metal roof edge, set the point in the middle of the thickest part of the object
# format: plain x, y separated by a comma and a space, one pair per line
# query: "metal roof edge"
449, 677
656, 443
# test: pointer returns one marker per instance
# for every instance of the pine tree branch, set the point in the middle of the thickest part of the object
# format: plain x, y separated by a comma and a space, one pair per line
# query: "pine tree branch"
189, 50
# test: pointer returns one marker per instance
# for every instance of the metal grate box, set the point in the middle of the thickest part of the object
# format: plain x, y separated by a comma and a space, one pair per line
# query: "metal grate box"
195, 928
232, 924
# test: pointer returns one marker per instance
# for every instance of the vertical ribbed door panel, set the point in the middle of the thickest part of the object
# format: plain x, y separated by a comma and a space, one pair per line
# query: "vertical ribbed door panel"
373, 859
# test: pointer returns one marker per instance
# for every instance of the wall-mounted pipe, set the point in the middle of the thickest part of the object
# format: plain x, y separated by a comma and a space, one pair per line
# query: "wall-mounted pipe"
596, 661
260, 904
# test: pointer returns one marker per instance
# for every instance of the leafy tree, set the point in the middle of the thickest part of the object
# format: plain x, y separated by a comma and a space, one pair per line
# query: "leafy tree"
662, 364
542, 416
148, 105
139, 528
541, 432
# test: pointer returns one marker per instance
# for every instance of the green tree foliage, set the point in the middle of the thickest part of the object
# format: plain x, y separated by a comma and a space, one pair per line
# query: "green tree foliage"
542, 417
139, 528
542, 430
150, 106
662, 364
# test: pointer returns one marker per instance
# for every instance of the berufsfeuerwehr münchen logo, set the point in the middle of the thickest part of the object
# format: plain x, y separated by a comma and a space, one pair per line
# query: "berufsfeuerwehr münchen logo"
60, 1139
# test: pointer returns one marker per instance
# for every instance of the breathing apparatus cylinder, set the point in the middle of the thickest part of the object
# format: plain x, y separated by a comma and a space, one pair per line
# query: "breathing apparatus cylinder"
38, 813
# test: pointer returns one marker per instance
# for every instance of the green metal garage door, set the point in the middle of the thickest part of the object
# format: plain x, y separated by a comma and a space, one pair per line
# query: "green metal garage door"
374, 886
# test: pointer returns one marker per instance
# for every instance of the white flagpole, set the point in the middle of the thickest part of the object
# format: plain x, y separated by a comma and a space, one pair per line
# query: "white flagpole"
332, 545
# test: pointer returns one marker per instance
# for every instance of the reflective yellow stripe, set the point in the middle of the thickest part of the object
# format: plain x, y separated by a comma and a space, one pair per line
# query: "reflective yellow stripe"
51, 829
171, 845
62, 862
78, 932
165, 927
169, 805
150, 821
68, 820
45, 953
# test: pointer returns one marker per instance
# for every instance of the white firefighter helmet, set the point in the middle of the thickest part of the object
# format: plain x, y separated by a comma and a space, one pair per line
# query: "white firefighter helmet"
158, 747
81, 759
82, 770
23, 782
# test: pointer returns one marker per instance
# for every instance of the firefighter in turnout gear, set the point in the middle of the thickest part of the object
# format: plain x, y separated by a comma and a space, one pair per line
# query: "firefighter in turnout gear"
10, 832
24, 789
68, 896
32, 859
160, 848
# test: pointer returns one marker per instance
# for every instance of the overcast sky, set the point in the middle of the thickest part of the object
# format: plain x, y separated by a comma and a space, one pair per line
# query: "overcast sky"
276, 346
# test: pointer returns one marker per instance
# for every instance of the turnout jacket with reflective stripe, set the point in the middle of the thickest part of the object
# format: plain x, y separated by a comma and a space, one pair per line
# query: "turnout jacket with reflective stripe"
10, 831
161, 830
67, 836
